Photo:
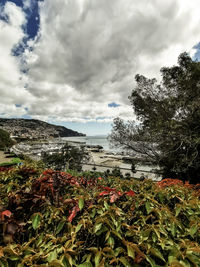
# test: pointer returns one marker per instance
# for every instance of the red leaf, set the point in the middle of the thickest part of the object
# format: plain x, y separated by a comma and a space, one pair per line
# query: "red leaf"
6, 213
73, 213
109, 189
104, 193
130, 193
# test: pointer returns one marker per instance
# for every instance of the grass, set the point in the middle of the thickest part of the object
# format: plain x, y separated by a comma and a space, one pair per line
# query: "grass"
14, 161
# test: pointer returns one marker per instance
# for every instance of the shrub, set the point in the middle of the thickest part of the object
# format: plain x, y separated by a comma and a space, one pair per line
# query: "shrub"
56, 219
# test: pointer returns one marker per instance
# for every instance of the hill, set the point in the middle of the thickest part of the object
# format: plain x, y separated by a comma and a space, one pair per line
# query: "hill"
35, 129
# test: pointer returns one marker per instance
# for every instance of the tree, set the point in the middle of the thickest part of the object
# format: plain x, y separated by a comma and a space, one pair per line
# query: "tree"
69, 157
5, 140
167, 130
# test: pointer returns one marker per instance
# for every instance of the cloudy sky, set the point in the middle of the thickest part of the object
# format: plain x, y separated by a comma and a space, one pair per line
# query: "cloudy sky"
73, 62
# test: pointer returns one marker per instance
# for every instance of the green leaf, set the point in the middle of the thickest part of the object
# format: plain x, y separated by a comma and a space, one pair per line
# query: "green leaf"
81, 203
152, 262
97, 258
65, 262
56, 263
60, 227
131, 251
78, 227
173, 229
86, 264
102, 230
124, 262
178, 209
193, 229
14, 258
194, 259
111, 241
148, 208
106, 205
97, 227
157, 253
36, 220
52, 256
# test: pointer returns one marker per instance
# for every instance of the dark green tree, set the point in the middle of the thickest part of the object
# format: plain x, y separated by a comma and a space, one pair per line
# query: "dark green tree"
69, 157
5, 140
167, 130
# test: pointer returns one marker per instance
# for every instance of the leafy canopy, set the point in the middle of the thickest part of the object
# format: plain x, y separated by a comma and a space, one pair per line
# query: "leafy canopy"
5, 140
167, 130
69, 157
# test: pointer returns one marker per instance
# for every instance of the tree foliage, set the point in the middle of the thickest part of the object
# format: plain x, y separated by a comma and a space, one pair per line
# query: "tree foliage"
5, 140
168, 120
69, 157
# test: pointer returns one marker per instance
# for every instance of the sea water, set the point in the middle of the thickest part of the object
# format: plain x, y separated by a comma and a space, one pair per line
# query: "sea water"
101, 140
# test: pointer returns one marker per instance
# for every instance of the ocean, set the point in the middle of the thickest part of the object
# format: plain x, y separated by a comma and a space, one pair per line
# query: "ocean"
100, 140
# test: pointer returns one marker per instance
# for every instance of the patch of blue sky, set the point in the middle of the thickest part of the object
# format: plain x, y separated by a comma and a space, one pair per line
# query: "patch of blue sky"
197, 54
30, 29
113, 105
26, 116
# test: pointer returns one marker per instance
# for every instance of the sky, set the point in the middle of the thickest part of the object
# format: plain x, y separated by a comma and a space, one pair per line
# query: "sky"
73, 62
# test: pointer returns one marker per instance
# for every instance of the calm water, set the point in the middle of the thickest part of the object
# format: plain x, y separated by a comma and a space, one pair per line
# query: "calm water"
92, 140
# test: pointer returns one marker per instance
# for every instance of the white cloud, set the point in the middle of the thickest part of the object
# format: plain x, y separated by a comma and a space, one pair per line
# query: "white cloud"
27, 4
11, 80
88, 52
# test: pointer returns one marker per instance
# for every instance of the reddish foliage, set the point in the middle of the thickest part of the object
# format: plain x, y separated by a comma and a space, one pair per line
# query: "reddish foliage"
5, 213
5, 169
169, 182
130, 193
104, 193
73, 212
109, 189
114, 194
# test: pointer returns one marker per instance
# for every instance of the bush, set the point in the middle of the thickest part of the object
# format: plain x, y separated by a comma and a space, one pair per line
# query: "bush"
5, 140
56, 219
69, 157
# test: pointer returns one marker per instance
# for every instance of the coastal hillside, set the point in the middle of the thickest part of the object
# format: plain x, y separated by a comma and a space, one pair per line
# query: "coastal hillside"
34, 129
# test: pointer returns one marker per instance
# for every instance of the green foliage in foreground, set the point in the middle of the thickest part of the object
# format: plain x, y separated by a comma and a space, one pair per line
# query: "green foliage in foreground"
50, 218
5, 140
12, 162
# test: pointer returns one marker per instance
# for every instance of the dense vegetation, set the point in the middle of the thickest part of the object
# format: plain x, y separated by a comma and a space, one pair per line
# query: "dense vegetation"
53, 218
5, 140
69, 157
169, 130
